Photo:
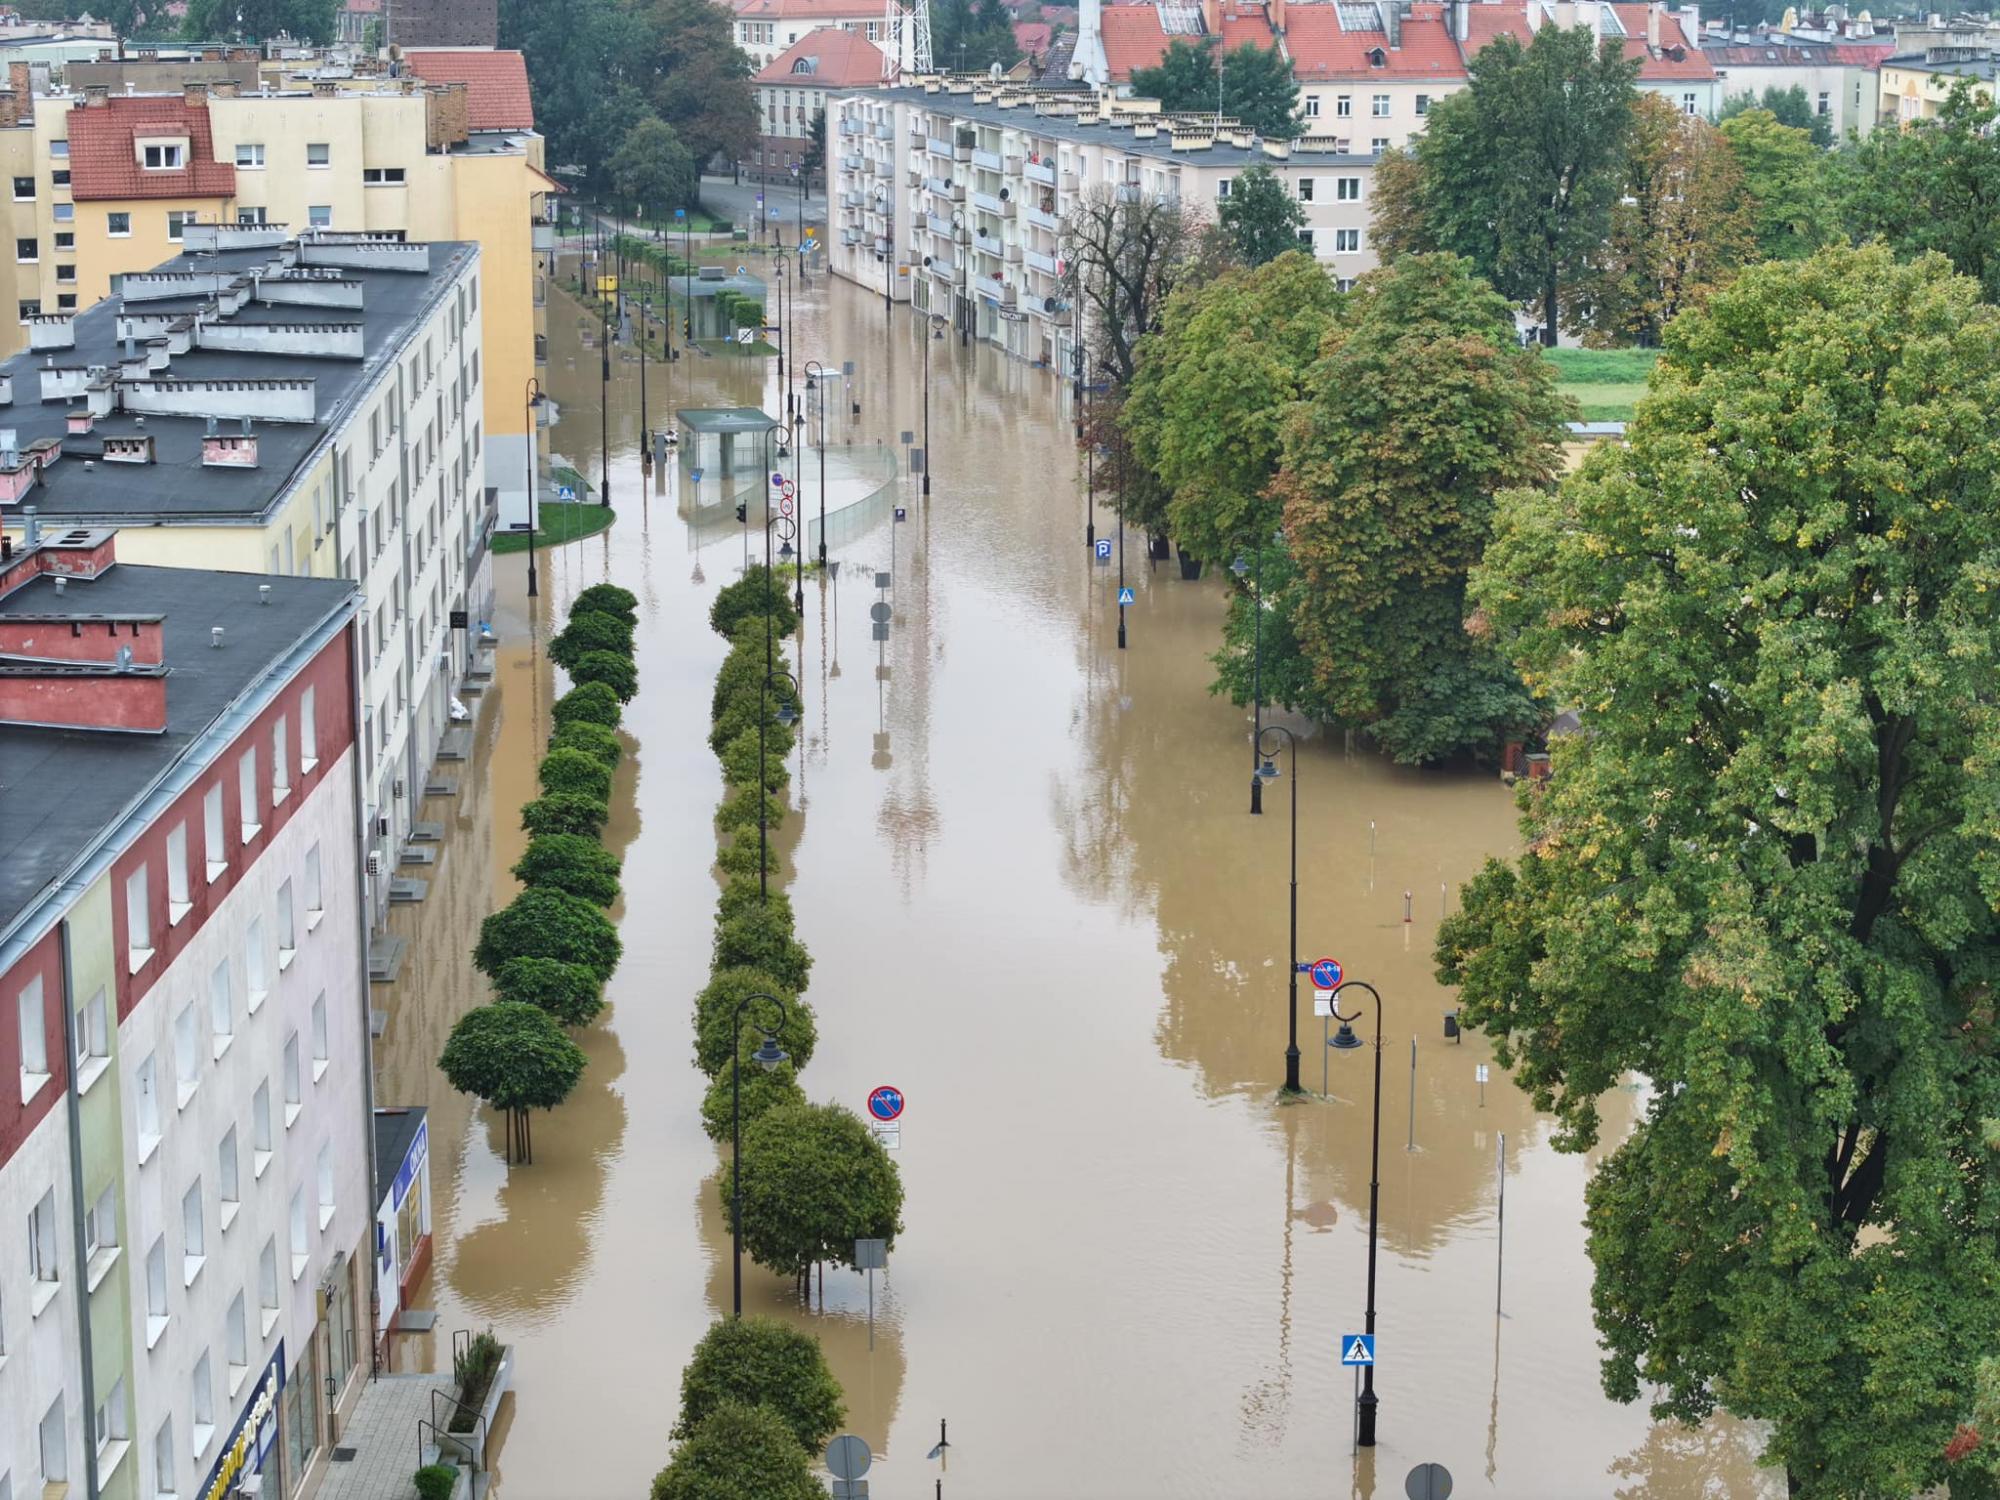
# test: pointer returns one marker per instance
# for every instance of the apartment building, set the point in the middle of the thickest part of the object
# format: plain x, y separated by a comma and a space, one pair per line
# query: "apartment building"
1662, 39
185, 1151
102, 184
1368, 74
1915, 85
765, 28
1842, 92
304, 407
953, 195
797, 86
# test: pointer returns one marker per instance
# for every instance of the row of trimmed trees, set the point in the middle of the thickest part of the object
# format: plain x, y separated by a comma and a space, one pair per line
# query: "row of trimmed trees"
814, 1178
550, 951
757, 1401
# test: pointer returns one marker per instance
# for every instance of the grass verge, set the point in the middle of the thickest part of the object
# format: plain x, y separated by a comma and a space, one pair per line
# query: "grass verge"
562, 521
1607, 383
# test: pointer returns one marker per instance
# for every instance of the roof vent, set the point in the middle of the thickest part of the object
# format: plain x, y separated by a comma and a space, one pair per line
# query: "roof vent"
215, 637
263, 593
62, 584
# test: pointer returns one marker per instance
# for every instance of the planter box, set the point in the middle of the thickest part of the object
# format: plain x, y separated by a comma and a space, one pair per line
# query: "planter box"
489, 1409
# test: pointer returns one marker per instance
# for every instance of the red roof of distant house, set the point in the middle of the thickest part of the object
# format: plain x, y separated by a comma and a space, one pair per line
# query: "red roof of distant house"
1320, 49
1033, 37
363, 7
104, 159
1487, 23
1863, 54
1246, 23
1133, 39
827, 57
820, 12
496, 84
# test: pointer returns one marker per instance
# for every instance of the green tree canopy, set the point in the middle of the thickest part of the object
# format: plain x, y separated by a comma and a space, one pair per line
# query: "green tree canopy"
739, 1452
1789, 107
258, 20
761, 938
763, 1089
1421, 406
545, 923
570, 862
652, 170
815, 1180
575, 773
564, 814
612, 668
717, 1036
1934, 186
1256, 88
1519, 171
593, 740
609, 599
1261, 217
1786, 177
514, 1056
569, 992
592, 702
762, 1362
593, 630
969, 36
758, 592
1766, 876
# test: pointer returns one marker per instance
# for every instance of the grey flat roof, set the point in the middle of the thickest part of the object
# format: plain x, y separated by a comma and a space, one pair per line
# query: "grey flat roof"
177, 489
725, 419
1066, 128
1958, 67
395, 1127
60, 788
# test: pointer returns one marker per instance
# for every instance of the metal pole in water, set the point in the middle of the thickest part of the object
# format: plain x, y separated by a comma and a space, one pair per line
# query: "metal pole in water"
1406, 908
1500, 1222
1413, 1096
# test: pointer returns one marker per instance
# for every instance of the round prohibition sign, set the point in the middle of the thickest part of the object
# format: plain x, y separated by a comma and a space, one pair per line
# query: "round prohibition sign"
885, 1103
785, 505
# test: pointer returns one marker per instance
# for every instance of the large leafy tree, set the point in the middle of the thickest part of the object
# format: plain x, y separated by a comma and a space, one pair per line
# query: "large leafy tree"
739, 1452
970, 36
1765, 877
258, 20
1261, 217
653, 171
699, 79
516, 1057
762, 1362
1519, 171
1934, 186
1183, 79
1256, 87
1421, 406
1788, 107
1786, 178
1680, 230
815, 1180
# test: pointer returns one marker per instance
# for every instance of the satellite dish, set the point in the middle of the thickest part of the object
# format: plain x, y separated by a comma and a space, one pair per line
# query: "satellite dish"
927, 260
1049, 304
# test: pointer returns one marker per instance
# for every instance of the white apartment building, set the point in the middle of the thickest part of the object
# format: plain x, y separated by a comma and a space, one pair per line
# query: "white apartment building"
1839, 82
765, 28
953, 195
306, 406
191, 1154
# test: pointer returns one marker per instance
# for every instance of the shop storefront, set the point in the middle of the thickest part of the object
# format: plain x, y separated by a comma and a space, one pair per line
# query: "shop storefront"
252, 1446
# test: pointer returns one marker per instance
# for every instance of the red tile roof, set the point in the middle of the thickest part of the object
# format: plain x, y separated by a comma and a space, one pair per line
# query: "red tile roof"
1675, 58
1863, 54
1133, 39
822, 12
1246, 24
833, 59
496, 84
1033, 37
104, 161
1320, 49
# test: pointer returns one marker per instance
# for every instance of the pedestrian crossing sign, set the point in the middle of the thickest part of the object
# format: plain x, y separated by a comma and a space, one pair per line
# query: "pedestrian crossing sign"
1357, 1349
1125, 597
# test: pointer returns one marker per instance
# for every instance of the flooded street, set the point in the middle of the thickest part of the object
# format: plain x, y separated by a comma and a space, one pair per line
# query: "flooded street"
1036, 903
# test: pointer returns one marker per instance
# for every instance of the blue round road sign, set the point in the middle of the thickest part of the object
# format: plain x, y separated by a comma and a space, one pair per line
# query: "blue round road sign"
885, 1103
1326, 974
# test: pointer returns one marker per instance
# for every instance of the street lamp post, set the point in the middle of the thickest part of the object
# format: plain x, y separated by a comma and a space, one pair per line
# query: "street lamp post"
799, 234
603, 374
645, 435
815, 385
934, 329
787, 714
534, 399
961, 249
687, 285
1269, 772
1367, 1403
1256, 570
784, 332
1121, 557
768, 1055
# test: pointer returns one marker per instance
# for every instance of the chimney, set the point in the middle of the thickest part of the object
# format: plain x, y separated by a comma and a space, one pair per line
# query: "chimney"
1277, 12
225, 88
1392, 22
1087, 62
195, 95
10, 108
22, 81
223, 451
1211, 17
1653, 25
96, 95
1461, 20
324, 90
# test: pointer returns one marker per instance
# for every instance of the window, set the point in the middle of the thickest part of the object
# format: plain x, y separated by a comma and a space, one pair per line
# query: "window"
54, 1437
267, 1285
24, 189
157, 1316
59, 150
288, 938
65, 302
315, 896
146, 1082
249, 216
320, 215
1423, 105
1347, 189
381, 176
260, 1130
1343, 106
1825, 105
301, 1253
320, 1058
60, 177
177, 874
27, 251
194, 1244
94, 1041
177, 220
118, 225
246, 794
161, 158
187, 1063
1378, 145
256, 977
1306, 241
1346, 241
221, 1012
1305, 190
28, 309
236, 1343
214, 851
1378, 106
202, 1414
63, 213
34, 1039
66, 275
111, 1426
228, 1180
1312, 106
138, 921
44, 1267
294, 1081
1688, 103
325, 1184
281, 759
164, 1482
249, 155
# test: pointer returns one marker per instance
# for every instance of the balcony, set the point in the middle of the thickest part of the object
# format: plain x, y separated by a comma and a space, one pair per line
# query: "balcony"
1042, 219
881, 206
937, 147
881, 244
542, 235
1128, 192
986, 161
943, 269
1012, 254
1036, 261
851, 198
937, 224
986, 203
883, 131
961, 149
849, 126
851, 162
1043, 172
1013, 166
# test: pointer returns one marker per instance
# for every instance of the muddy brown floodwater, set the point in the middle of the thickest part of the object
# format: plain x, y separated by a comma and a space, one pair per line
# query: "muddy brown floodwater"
1038, 905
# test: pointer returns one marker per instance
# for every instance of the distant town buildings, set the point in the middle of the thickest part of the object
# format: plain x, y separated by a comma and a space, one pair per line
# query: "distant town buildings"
794, 89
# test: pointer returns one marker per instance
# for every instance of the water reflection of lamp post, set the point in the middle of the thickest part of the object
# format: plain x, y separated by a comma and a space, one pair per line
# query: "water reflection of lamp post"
767, 1056
936, 327
1268, 771
815, 374
1347, 1041
534, 399
1256, 571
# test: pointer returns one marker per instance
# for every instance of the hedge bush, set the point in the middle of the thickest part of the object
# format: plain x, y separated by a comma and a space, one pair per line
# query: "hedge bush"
593, 703
591, 739
543, 923
607, 599
741, 713
757, 592
763, 1089
575, 773
571, 862
569, 992
739, 857
611, 668
763, 1362
740, 758
565, 814
762, 939
587, 633
743, 893
738, 815
715, 1007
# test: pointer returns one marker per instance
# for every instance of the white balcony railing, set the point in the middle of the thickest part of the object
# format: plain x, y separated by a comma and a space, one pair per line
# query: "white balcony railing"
1043, 172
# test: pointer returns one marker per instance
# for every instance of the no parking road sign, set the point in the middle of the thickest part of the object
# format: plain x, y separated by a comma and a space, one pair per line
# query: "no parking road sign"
1326, 974
886, 1103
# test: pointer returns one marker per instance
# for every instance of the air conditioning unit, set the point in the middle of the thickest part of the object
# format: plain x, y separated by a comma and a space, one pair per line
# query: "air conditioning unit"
374, 865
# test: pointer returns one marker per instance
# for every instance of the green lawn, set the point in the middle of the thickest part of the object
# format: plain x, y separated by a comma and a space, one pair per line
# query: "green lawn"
564, 521
1606, 383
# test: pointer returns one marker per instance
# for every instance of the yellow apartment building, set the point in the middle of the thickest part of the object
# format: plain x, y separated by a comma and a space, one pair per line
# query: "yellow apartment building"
1914, 85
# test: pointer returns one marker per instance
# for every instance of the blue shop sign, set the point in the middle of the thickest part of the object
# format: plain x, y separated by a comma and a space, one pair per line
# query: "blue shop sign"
413, 1163
254, 1435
